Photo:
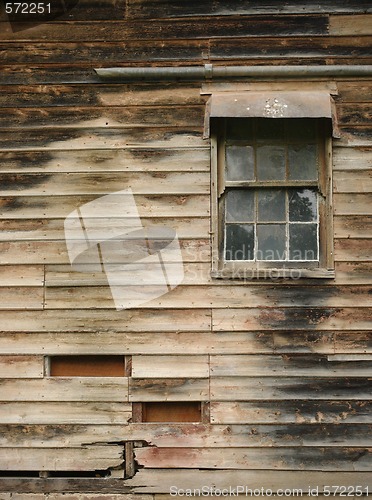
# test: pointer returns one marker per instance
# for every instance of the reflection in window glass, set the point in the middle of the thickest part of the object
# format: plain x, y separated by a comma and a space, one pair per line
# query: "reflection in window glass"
303, 242
303, 163
271, 205
270, 163
303, 206
271, 242
239, 163
239, 242
240, 205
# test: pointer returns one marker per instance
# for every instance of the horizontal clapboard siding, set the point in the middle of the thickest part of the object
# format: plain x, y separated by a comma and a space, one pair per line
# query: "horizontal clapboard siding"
283, 368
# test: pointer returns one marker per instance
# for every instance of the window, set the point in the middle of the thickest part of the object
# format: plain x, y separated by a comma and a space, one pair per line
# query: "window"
177, 412
271, 197
87, 366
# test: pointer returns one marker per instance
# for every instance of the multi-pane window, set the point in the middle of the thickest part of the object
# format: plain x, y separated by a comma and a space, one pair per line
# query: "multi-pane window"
272, 195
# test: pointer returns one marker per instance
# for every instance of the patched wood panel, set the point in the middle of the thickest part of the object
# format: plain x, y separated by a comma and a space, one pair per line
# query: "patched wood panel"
54, 412
170, 366
65, 459
284, 412
350, 25
21, 367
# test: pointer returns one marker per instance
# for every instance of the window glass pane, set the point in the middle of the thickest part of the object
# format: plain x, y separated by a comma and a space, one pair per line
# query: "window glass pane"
303, 205
270, 163
271, 242
239, 163
239, 129
303, 163
240, 205
303, 242
271, 205
271, 130
302, 129
239, 242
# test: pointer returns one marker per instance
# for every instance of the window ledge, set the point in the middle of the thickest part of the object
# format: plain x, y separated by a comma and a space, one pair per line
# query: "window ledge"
273, 273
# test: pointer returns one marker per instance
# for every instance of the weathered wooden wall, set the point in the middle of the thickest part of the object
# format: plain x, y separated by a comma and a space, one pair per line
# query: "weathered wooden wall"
286, 366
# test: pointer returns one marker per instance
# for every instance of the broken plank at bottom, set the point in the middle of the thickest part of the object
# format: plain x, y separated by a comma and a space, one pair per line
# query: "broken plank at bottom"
326, 459
62, 459
162, 480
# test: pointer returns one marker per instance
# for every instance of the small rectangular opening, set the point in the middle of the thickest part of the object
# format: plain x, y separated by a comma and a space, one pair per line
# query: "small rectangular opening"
189, 411
87, 366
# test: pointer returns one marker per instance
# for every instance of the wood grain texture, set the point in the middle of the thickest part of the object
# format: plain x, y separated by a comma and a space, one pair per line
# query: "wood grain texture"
21, 367
54, 412
170, 366
166, 389
251, 388
350, 25
21, 275
65, 389
323, 459
22, 298
67, 459
283, 412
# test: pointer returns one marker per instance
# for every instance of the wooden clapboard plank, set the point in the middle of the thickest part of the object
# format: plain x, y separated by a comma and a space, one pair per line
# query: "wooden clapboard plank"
349, 113
178, 28
53, 229
23, 207
216, 296
302, 342
172, 8
55, 252
294, 318
69, 459
51, 412
106, 183
21, 367
267, 48
109, 52
188, 435
162, 480
347, 273
49, 139
130, 320
110, 117
253, 388
324, 459
119, 160
65, 389
354, 91
353, 249
352, 182
353, 342
351, 158
283, 412
352, 226
170, 366
287, 366
25, 298
151, 343
350, 25
102, 95
166, 389
21, 275
352, 204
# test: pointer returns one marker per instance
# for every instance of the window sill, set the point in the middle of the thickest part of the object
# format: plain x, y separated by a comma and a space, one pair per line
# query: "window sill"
272, 273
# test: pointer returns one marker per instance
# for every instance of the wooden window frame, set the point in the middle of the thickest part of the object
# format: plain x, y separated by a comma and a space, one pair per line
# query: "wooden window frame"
223, 269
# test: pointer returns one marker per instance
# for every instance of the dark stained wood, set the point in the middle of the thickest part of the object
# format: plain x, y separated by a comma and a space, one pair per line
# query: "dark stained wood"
87, 366
62, 485
266, 48
113, 52
178, 28
172, 412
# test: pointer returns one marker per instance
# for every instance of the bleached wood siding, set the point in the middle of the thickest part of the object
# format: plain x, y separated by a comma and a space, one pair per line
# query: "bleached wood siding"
286, 366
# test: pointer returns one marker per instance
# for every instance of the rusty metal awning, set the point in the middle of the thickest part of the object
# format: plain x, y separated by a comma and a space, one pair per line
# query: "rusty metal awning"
304, 104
